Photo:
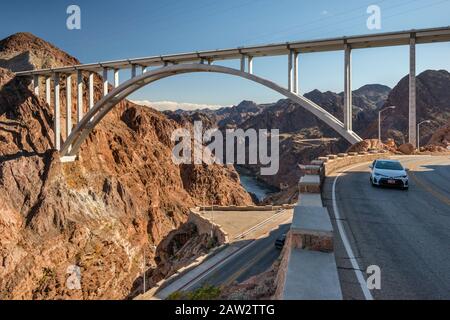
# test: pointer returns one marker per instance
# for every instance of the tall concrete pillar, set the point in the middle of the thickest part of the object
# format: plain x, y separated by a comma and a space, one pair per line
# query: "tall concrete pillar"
243, 63
291, 70
48, 90
296, 89
79, 95
116, 78
133, 70
36, 85
57, 113
143, 69
348, 103
69, 105
91, 90
412, 136
250, 64
105, 81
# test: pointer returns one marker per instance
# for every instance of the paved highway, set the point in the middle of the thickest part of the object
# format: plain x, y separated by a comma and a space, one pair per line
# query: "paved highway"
255, 257
405, 233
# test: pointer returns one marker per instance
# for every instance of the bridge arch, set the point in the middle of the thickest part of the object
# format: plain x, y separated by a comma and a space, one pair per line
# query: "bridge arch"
73, 143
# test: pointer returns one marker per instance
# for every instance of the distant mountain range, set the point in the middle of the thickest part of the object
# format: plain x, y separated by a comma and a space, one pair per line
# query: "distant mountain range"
299, 126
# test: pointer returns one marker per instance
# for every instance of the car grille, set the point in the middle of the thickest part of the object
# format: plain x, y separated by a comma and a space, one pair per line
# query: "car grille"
385, 182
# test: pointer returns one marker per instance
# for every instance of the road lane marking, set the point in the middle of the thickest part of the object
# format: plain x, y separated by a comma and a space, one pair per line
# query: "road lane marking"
346, 242
213, 268
427, 187
248, 265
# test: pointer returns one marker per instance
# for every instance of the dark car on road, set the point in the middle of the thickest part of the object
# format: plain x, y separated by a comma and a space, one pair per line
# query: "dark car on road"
279, 243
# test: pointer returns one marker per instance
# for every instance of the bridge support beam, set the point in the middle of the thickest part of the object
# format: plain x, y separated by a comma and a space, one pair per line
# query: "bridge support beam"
250, 64
116, 78
348, 103
48, 90
412, 134
79, 96
36, 85
243, 63
291, 70
69, 105
296, 90
57, 113
105, 81
91, 90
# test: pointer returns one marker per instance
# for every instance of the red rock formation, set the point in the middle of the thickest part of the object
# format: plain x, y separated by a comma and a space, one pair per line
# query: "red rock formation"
124, 194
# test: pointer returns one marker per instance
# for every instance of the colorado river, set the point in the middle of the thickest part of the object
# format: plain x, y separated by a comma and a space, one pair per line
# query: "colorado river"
256, 187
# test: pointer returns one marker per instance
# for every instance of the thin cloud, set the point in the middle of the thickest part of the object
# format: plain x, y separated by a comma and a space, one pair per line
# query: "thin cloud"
173, 106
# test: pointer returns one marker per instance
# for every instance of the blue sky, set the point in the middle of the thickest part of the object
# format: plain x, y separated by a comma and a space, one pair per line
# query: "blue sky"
117, 29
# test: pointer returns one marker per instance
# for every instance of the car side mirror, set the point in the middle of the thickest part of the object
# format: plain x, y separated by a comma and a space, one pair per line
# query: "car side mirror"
371, 167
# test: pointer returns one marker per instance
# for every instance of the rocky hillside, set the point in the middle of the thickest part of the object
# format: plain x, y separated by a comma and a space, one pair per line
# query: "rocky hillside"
101, 213
433, 103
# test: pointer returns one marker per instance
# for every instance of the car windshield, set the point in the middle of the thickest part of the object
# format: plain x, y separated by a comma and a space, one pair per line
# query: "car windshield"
388, 165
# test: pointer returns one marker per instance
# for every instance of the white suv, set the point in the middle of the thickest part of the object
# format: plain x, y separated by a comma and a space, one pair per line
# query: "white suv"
388, 173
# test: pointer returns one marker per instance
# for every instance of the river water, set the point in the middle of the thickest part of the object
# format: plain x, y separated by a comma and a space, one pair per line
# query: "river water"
260, 189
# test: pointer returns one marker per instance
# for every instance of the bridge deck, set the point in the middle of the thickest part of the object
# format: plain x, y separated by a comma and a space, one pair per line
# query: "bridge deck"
321, 45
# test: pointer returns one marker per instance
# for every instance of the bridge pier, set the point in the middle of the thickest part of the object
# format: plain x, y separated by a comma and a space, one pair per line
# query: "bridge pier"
36, 85
293, 71
133, 70
116, 78
79, 95
412, 134
105, 81
68, 105
348, 102
296, 90
250, 64
57, 112
48, 89
91, 90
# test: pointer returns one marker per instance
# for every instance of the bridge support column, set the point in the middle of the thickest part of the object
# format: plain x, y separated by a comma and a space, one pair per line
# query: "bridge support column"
296, 73
348, 103
116, 78
243, 63
105, 81
291, 70
91, 90
79, 95
36, 85
57, 113
250, 64
133, 70
412, 134
69, 105
143, 69
48, 90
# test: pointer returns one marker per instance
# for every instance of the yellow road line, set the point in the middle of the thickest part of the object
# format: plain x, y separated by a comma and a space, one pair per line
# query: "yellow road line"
429, 188
249, 264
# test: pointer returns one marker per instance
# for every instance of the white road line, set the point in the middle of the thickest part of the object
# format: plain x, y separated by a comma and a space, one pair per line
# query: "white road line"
348, 248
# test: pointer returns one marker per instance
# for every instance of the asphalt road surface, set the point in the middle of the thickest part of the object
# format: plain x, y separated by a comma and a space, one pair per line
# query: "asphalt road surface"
405, 233
254, 259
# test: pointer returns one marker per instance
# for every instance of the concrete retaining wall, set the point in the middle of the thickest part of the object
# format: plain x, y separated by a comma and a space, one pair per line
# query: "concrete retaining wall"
206, 226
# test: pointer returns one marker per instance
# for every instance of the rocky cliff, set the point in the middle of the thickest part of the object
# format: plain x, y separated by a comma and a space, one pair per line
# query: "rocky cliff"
433, 103
120, 199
